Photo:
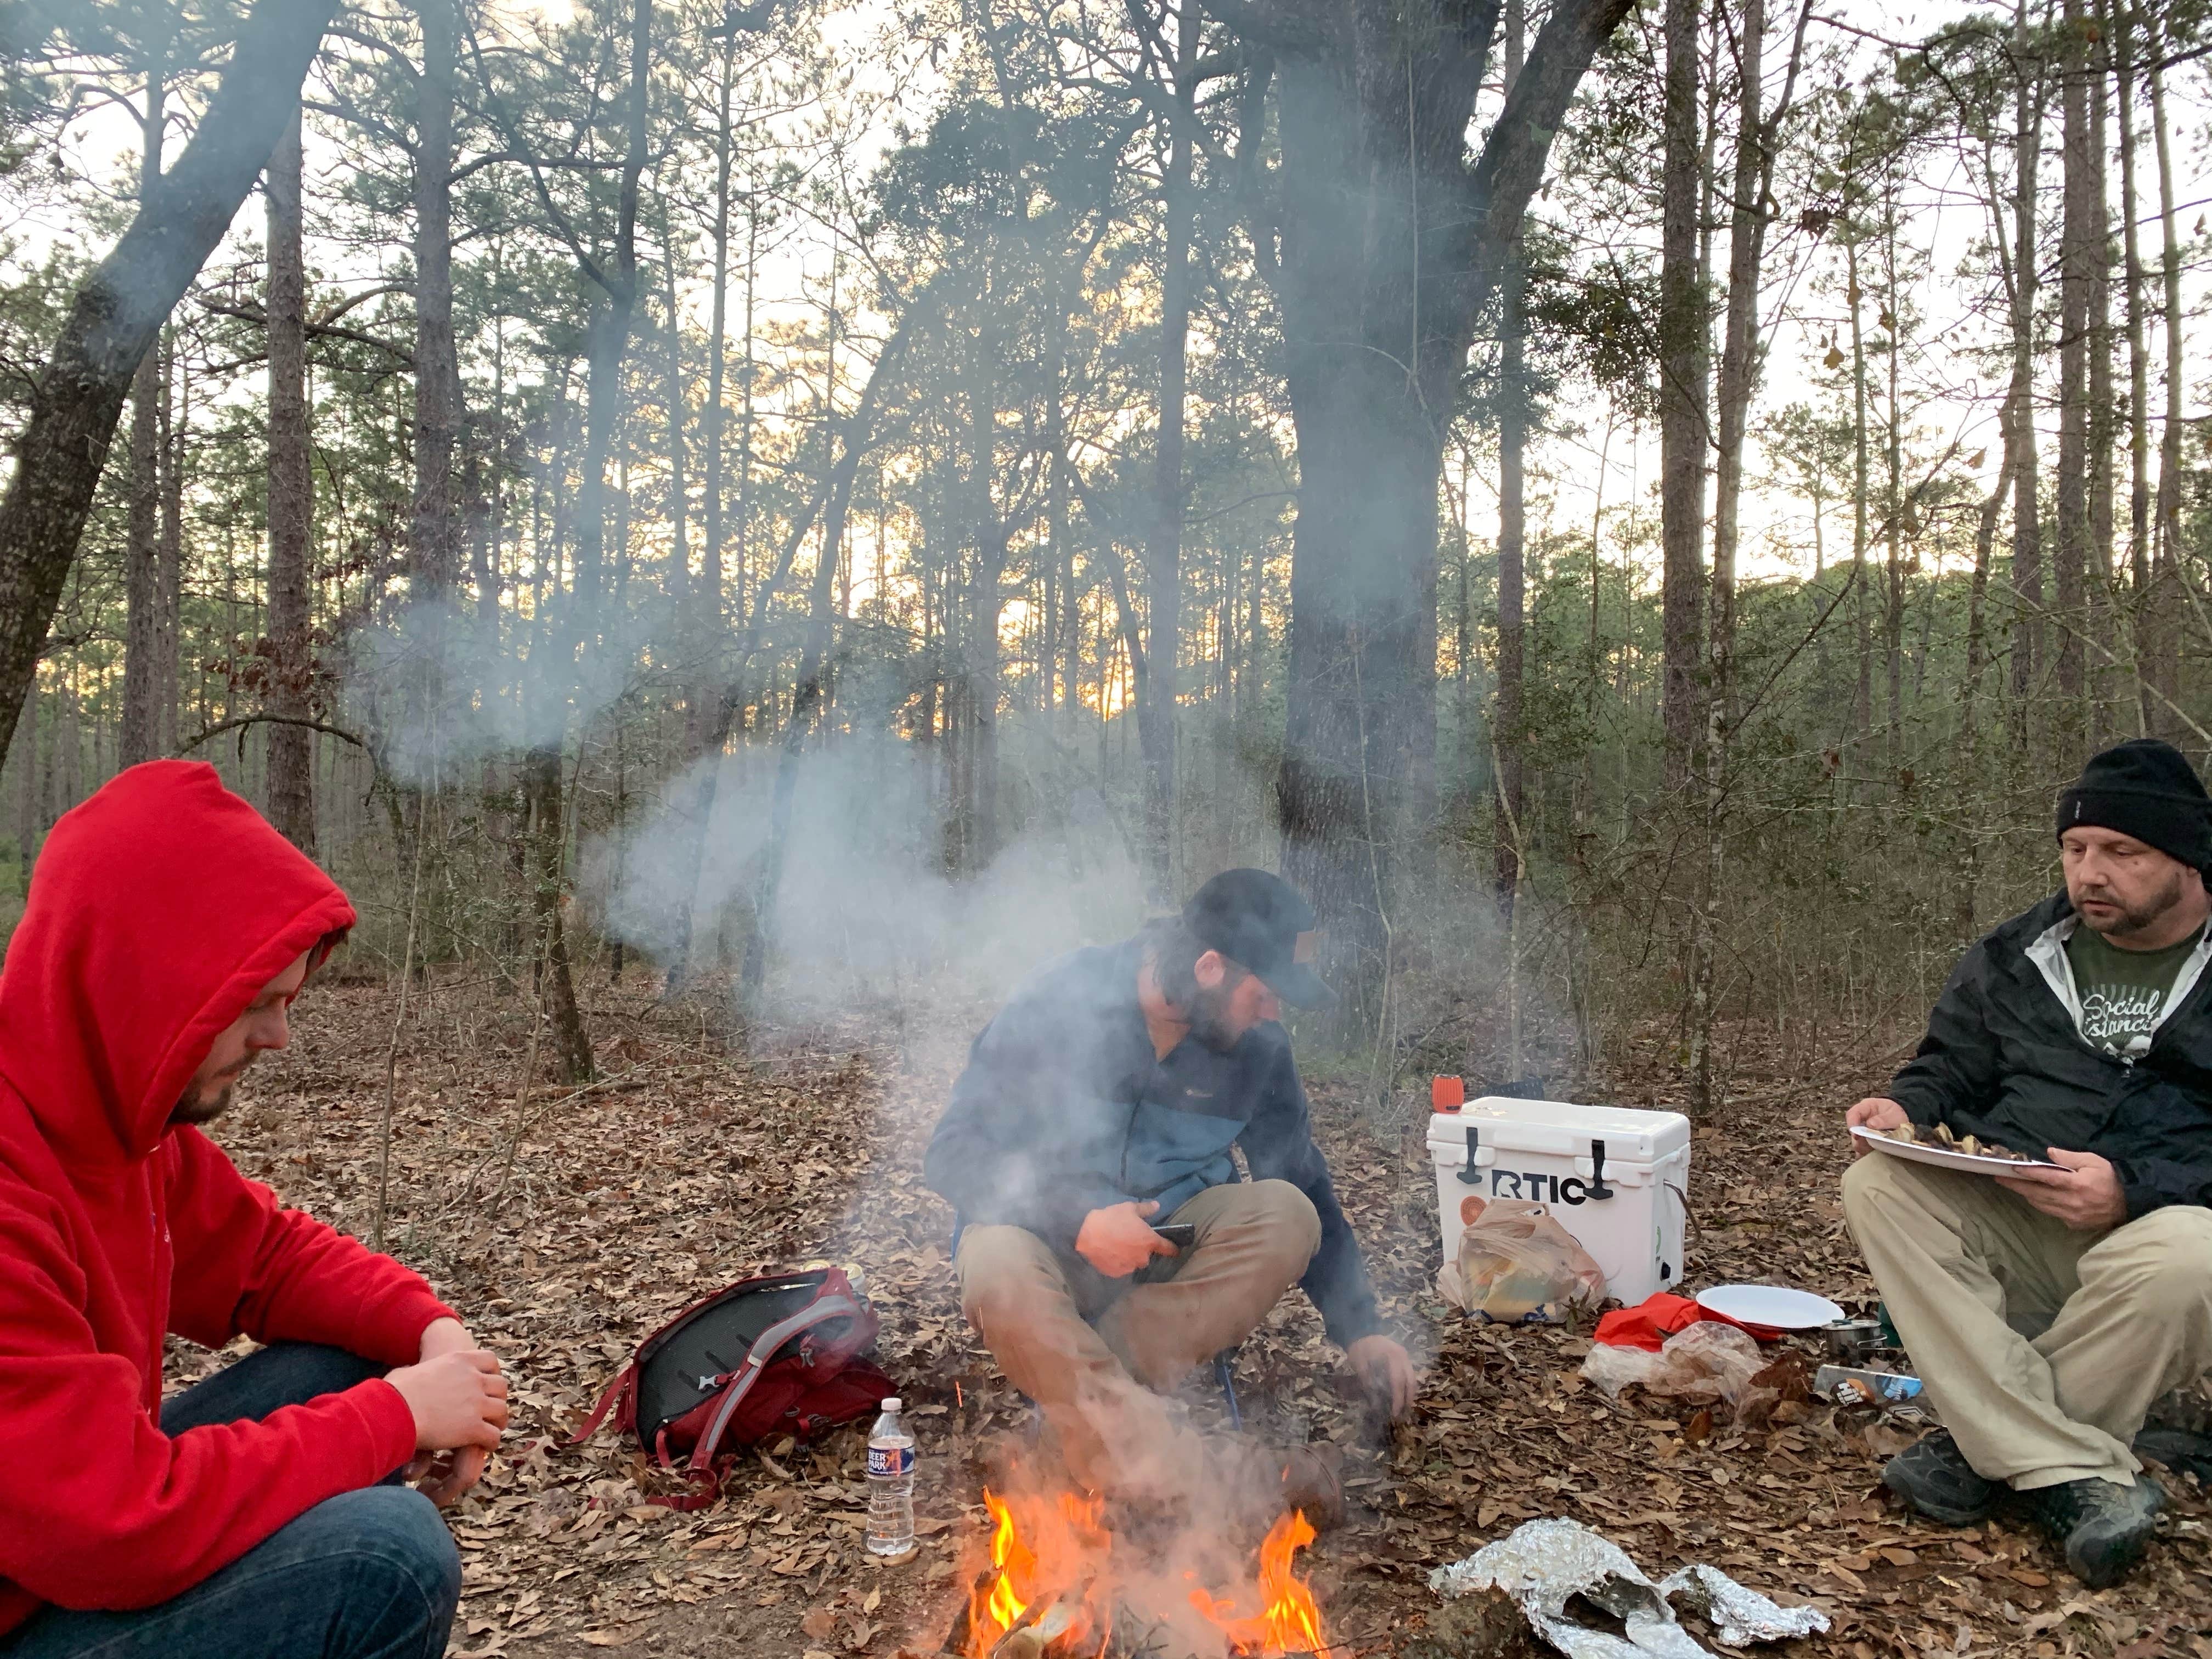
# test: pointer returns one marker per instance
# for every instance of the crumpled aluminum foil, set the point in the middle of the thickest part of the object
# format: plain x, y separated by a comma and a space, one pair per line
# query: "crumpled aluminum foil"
1541, 1563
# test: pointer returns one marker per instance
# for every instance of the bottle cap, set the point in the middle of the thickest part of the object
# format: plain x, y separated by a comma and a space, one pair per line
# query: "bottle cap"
891, 1404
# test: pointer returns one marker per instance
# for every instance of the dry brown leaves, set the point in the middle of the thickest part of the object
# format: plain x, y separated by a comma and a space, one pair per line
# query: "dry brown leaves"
692, 1165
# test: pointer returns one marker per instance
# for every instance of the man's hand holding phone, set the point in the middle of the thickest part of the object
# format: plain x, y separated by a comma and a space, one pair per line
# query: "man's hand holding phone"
1119, 1239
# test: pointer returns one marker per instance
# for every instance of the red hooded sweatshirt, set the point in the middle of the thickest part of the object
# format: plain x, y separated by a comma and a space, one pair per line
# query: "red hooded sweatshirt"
160, 909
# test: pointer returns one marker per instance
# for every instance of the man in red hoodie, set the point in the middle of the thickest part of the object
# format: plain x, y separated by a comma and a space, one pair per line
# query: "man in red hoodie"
262, 1512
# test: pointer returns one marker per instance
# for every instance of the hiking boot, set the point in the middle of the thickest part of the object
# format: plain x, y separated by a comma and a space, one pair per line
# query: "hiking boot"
1933, 1475
2102, 1526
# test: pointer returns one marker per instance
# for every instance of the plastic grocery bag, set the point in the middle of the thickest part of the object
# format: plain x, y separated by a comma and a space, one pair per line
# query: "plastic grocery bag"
1518, 1265
1707, 1361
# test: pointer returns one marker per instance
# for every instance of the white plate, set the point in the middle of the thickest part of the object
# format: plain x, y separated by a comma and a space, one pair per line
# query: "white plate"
1945, 1157
1774, 1306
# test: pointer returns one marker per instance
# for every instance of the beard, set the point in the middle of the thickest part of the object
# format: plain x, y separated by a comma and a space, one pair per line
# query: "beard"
199, 1105
2133, 919
1209, 1017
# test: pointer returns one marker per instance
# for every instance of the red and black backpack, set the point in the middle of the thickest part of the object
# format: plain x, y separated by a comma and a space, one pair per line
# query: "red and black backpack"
777, 1354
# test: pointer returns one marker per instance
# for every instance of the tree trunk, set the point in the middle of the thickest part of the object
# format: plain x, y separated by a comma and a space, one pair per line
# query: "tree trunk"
810, 692
543, 792
1507, 717
2166, 577
2107, 650
1739, 383
1155, 713
139, 738
1388, 255
27, 795
1863, 691
116, 316
434, 541
2027, 630
708, 716
978, 818
710, 550
2070, 561
176, 419
679, 540
609, 333
291, 503
1683, 433
1893, 612
2121, 24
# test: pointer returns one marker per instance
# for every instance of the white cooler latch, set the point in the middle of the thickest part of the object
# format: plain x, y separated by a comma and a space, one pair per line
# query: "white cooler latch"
1469, 1174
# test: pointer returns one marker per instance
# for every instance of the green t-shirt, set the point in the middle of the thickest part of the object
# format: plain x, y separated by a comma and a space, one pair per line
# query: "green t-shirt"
2123, 993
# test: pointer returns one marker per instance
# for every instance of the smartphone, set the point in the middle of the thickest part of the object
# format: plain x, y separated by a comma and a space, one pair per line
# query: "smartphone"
1181, 1234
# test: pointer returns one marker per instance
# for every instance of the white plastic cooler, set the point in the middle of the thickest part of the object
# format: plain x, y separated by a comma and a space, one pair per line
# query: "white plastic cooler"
1618, 1180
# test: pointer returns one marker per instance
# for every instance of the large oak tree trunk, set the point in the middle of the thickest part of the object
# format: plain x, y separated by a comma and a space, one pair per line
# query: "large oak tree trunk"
1390, 253
291, 503
115, 317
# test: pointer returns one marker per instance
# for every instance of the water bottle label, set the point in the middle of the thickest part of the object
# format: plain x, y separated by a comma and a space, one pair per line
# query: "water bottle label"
890, 1460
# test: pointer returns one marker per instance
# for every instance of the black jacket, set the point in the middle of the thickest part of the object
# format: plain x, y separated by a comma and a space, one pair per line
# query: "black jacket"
1064, 1109
2003, 1059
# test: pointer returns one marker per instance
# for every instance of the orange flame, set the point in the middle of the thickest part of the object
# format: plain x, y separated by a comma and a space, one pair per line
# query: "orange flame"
1052, 1559
1055, 1550
1289, 1619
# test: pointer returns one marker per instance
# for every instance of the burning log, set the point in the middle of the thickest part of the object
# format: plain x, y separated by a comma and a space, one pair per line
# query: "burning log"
961, 1635
1043, 1622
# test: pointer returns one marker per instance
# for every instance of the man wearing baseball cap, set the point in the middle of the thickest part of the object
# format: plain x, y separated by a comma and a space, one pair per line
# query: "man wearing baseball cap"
2048, 1310
1107, 1097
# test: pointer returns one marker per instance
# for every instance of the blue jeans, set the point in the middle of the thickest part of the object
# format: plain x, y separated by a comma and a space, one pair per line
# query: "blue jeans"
367, 1575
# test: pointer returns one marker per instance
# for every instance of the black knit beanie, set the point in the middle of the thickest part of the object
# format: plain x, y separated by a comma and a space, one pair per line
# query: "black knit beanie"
2145, 789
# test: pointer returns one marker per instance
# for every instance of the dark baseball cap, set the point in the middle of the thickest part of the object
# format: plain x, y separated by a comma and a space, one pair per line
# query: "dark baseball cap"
1258, 921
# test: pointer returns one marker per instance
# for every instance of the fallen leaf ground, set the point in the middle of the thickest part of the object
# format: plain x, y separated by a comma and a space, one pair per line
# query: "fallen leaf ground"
567, 1228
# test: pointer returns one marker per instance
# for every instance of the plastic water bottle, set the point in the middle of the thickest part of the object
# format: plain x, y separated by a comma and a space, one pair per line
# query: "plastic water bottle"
891, 1484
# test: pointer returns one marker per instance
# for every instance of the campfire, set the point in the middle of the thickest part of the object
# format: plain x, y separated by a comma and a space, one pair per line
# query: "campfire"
1055, 1589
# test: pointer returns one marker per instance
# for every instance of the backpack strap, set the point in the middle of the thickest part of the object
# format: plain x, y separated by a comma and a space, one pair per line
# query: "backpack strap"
771, 1339
617, 1392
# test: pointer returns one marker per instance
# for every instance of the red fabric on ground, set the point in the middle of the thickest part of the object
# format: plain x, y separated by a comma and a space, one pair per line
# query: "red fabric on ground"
1652, 1320
1650, 1323
158, 910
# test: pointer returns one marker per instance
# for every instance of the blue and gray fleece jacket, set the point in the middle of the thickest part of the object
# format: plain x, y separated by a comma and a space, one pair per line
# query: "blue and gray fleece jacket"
1064, 1109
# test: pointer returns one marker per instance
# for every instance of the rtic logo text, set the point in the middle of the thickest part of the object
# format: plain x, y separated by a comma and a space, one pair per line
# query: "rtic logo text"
890, 1460
1516, 1183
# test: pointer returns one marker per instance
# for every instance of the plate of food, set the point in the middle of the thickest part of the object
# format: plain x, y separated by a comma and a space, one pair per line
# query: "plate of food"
1940, 1147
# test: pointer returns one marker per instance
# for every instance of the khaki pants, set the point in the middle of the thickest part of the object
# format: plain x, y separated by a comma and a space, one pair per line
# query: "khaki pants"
2042, 1347
1089, 1350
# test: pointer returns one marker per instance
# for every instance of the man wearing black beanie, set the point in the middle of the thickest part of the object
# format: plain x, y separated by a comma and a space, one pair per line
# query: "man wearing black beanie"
2049, 1308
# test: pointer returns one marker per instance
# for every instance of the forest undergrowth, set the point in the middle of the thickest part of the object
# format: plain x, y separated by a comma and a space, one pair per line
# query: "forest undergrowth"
567, 1225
